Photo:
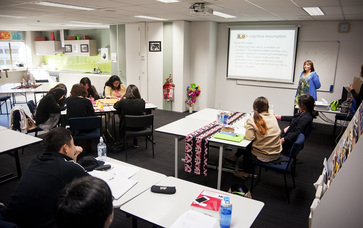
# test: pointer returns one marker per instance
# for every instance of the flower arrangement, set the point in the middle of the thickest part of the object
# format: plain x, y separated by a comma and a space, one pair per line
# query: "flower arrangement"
193, 92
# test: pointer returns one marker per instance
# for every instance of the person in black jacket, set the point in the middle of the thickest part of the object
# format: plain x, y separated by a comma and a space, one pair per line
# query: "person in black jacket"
33, 202
358, 97
77, 104
299, 123
130, 104
50, 107
92, 92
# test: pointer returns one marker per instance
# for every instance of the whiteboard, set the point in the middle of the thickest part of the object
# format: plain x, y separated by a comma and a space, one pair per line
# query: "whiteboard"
324, 55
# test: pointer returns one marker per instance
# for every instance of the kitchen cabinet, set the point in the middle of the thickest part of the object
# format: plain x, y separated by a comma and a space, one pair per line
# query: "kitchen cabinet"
47, 47
80, 47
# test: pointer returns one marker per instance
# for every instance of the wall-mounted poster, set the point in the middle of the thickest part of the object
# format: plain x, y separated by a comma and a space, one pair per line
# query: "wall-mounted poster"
68, 48
84, 47
155, 46
4, 35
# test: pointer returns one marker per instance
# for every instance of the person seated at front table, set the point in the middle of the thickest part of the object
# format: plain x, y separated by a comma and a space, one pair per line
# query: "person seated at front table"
77, 104
130, 104
85, 202
261, 128
33, 202
114, 87
92, 92
299, 123
49, 108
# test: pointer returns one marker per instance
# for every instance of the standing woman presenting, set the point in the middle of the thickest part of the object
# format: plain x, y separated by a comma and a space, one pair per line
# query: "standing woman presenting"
309, 82
114, 87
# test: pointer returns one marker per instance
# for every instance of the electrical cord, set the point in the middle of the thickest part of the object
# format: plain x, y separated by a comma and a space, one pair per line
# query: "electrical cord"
343, 126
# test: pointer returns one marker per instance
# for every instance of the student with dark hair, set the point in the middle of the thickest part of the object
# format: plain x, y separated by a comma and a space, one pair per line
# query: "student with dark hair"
114, 87
130, 104
263, 129
85, 202
77, 104
299, 123
34, 199
92, 92
50, 106
309, 81
358, 97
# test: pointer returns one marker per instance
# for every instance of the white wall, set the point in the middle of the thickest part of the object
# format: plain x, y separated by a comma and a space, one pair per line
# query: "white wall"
231, 96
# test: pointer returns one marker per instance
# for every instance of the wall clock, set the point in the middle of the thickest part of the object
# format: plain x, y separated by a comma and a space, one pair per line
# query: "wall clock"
344, 27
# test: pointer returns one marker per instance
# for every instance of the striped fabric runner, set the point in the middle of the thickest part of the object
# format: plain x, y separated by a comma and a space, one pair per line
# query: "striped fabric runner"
196, 145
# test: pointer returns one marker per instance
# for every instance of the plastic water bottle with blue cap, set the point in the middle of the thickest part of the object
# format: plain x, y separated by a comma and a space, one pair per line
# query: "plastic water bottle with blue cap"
101, 150
225, 213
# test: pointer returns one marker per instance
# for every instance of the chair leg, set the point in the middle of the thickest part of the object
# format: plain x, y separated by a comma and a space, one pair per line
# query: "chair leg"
252, 178
152, 145
125, 146
287, 189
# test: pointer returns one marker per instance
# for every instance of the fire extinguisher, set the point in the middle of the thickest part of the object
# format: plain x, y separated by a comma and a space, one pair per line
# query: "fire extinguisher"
168, 89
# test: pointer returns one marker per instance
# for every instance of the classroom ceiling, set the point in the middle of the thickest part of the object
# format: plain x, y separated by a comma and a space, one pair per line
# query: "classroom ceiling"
25, 15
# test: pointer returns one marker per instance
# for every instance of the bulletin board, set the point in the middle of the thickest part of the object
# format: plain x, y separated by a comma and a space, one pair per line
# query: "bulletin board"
324, 55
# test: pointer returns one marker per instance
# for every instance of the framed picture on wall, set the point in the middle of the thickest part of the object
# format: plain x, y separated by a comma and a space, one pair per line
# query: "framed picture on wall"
68, 48
155, 46
84, 47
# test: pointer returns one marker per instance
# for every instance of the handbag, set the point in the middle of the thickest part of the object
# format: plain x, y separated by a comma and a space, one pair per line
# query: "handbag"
30, 125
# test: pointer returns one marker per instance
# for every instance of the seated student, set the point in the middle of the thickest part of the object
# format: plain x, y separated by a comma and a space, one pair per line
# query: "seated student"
299, 123
34, 199
85, 202
261, 128
92, 92
358, 97
50, 107
130, 104
77, 104
114, 87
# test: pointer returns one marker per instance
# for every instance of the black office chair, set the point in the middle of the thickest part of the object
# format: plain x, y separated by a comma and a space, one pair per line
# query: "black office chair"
139, 125
282, 165
85, 128
4, 100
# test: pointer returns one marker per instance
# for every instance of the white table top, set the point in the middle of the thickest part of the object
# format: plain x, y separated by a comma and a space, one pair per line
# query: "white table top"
163, 209
13, 139
8, 88
209, 114
145, 179
183, 127
3, 128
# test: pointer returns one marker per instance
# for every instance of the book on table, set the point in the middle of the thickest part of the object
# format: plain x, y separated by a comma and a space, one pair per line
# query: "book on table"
208, 200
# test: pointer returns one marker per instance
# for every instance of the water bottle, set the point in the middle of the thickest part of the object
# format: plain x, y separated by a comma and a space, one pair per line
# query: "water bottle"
225, 213
101, 150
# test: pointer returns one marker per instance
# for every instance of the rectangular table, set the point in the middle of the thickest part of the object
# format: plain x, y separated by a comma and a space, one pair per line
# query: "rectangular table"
163, 209
8, 89
12, 141
145, 179
191, 123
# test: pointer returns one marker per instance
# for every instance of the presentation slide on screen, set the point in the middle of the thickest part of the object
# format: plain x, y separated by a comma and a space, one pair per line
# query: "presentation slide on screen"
266, 54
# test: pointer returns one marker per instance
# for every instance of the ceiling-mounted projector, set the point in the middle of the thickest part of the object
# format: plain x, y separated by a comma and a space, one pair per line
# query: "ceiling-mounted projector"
200, 8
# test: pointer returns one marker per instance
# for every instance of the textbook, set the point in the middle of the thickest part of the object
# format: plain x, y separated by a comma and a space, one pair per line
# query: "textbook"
209, 200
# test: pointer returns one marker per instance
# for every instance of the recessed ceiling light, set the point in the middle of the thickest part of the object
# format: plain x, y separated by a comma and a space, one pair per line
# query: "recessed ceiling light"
168, 1
220, 14
313, 11
152, 18
10, 16
63, 5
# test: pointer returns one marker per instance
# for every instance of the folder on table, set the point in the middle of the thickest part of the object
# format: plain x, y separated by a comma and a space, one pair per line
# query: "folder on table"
237, 138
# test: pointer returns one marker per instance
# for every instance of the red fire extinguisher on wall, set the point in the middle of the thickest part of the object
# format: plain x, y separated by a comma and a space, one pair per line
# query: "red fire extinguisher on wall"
168, 89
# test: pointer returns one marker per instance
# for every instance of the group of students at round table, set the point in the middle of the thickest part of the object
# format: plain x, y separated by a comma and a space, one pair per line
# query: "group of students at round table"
79, 103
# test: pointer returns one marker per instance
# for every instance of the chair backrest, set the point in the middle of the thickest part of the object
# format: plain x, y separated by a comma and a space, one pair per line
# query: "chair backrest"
295, 149
16, 120
31, 106
85, 123
139, 121
309, 129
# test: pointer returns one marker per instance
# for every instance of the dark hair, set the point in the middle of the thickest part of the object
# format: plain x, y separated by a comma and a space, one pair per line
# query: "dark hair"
85, 202
311, 65
111, 80
79, 90
132, 92
56, 138
58, 91
260, 105
85, 80
307, 102
361, 71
